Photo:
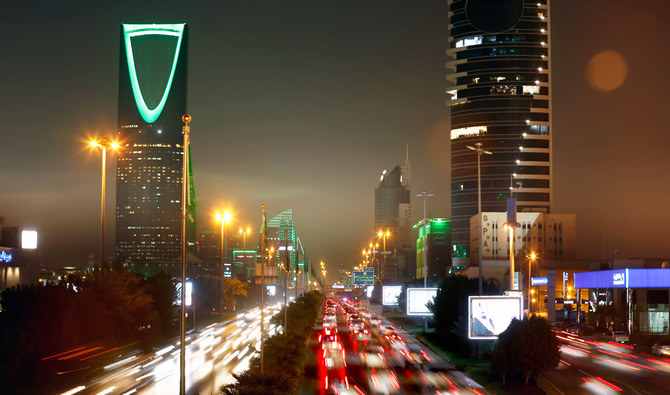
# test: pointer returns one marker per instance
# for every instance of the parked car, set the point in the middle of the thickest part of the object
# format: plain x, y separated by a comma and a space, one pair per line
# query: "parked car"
620, 337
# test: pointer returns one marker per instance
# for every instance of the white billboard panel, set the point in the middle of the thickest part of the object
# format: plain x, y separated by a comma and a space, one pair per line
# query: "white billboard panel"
29, 239
488, 316
417, 299
189, 293
368, 291
390, 294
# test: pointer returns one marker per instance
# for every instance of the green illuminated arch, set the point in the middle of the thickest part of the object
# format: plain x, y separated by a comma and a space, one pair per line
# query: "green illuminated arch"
129, 31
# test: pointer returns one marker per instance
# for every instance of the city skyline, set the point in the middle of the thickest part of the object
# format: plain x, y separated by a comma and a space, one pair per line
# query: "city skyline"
335, 93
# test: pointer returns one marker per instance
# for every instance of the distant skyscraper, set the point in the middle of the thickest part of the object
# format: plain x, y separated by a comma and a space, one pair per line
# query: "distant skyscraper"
391, 207
282, 236
500, 96
152, 100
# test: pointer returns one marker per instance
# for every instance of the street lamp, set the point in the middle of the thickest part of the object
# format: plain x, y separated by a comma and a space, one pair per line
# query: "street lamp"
384, 235
186, 130
103, 144
244, 234
425, 195
223, 218
479, 150
531, 258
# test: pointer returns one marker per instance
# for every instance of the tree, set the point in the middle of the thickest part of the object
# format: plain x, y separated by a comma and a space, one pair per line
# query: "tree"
450, 308
525, 348
233, 288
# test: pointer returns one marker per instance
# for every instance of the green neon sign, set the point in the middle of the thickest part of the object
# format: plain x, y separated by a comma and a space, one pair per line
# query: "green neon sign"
130, 31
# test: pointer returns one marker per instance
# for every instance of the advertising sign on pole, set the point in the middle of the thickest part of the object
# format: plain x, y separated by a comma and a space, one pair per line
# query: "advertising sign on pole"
390, 294
417, 298
488, 316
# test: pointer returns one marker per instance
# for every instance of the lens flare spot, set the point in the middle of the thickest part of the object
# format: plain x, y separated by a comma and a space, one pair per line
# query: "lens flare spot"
606, 71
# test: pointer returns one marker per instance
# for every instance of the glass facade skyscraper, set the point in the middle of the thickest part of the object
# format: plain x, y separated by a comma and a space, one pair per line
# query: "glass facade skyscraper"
392, 212
500, 95
152, 100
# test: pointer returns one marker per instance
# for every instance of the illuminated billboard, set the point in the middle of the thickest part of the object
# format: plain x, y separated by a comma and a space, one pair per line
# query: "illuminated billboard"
271, 290
189, 293
417, 298
368, 291
488, 316
29, 239
390, 294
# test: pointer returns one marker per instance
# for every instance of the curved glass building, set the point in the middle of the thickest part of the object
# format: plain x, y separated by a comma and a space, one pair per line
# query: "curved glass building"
500, 95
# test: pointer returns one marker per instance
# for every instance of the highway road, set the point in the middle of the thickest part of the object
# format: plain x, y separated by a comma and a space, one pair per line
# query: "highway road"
357, 352
212, 355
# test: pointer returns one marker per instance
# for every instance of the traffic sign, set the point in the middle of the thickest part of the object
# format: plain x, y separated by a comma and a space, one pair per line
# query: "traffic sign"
363, 278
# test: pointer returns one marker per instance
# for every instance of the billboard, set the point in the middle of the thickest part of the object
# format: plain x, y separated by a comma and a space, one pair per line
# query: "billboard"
368, 290
390, 294
488, 316
417, 299
189, 293
539, 281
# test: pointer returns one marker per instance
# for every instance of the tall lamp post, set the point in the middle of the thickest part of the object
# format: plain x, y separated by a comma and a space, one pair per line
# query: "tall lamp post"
531, 258
425, 195
262, 280
223, 218
103, 144
479, 150
184, 207
244, 234
384, 235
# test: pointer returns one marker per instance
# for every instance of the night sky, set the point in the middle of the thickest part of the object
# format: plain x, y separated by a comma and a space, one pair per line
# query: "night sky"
306, 102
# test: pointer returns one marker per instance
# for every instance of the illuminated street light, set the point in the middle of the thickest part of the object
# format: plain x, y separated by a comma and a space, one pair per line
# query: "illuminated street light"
244, 234
479, 150
531, 258
384, 235
186, 130
103, 144
223, 218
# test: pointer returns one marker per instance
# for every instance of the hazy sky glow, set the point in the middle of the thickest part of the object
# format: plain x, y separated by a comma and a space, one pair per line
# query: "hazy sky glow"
306, 102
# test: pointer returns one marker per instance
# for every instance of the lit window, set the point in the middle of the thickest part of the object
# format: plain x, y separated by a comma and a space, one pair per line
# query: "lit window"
468, 41
531, 90
468, 132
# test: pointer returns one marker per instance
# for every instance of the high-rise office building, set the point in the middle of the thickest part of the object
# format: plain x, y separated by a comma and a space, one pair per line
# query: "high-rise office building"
152, 100
391, 214
437, 241
500, 95
282, 237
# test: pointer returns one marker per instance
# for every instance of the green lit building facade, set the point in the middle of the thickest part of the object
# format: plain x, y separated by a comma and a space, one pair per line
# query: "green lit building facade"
437, 239
152, 100
281, 235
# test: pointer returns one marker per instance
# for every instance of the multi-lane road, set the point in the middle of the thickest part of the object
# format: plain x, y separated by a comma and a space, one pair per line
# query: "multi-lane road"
358, 352
212, 355
600, 367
